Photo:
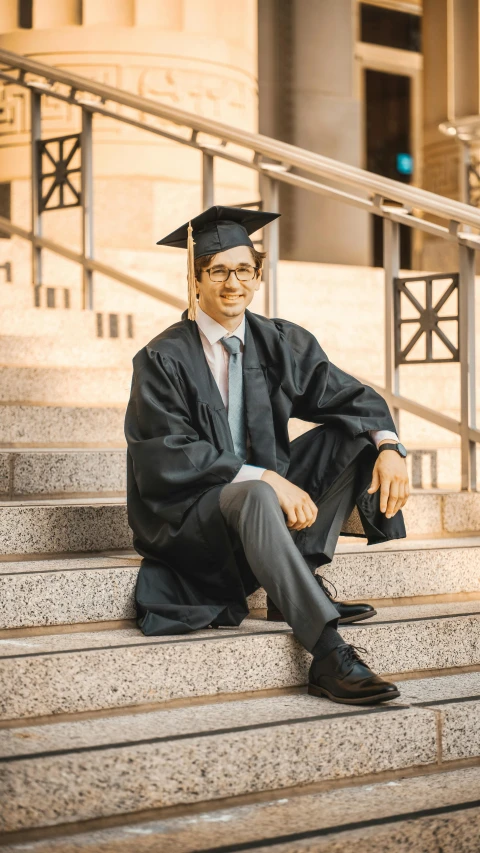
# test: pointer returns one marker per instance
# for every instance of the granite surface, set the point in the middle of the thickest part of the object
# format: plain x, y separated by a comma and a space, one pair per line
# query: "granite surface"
423, 514
461, 511
294, 750
65, 564
55, 351
37, 472
446, 688
65, 597
98, 595
460, 730
66, 386
31, 528
143, 672
61, 425
308, 812
366, 573
82, 672
4, 473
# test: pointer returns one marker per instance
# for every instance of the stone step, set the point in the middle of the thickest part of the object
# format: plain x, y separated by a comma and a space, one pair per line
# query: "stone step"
77, 328
91, 588
67, 472
424, 813
50, 351
73, 771
92, 671
62, 526
62, 471
65, 386
47, 526
61, 426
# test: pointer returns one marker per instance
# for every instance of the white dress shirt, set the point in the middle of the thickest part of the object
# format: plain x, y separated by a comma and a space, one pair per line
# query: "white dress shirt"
217, 359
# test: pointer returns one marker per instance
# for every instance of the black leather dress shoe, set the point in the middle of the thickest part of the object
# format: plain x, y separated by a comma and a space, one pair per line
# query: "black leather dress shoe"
347, 612
344, 677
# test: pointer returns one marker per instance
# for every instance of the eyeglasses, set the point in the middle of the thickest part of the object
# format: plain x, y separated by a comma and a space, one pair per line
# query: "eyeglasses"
243, 273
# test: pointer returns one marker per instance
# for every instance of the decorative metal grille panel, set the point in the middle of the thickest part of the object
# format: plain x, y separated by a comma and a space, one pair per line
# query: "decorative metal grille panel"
427, 318
57, 189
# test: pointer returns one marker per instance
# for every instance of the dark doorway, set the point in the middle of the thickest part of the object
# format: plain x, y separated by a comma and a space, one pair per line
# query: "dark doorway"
388, 147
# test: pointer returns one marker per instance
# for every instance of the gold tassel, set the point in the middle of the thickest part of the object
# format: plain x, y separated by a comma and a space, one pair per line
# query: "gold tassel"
192, 290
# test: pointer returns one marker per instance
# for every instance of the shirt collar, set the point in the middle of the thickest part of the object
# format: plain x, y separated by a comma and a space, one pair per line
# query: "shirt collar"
213, 331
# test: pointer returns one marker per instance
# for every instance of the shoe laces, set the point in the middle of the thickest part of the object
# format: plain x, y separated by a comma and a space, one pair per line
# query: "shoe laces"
351, 654
321, 580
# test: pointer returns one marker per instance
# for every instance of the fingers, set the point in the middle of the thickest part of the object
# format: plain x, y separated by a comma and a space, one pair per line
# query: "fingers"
400, 500
301, 518
375, 481
302, 514
384, 495
393, 496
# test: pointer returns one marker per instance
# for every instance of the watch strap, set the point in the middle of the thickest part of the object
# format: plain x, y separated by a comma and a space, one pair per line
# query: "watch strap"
390, 446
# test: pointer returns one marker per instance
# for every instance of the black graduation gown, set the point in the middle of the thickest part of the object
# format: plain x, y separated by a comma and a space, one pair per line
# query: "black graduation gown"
180, 455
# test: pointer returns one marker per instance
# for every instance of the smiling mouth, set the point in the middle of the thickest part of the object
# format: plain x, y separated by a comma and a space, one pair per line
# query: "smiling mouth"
231, 296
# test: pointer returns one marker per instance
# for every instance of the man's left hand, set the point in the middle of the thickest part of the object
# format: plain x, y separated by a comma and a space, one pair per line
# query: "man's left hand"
391, 477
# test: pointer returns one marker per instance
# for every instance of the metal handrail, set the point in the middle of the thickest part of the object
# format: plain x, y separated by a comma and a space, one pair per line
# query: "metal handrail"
92, 264
372, 193
289, 155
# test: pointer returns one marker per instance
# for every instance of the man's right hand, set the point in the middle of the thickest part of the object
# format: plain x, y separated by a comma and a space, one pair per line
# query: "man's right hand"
296, 504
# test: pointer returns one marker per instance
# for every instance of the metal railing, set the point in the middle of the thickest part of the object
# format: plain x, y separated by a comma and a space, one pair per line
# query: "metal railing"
276, 162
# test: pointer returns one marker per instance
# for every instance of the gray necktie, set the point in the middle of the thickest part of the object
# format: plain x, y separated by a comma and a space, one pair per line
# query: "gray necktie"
236, 404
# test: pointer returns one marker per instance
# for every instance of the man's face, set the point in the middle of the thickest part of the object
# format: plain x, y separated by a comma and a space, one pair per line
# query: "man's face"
227, 299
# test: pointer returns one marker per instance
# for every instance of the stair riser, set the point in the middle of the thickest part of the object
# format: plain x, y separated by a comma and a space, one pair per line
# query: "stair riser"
97, 679
16, 351
104, 594
42, 529
397, 574
36, 529
57, 789
60, 426
65, 386
53, 472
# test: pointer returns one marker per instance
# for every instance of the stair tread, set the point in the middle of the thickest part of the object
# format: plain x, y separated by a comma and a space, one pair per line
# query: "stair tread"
51, 643
66, 564
170, 724
223, 749
64, 503
195, 720
275, 819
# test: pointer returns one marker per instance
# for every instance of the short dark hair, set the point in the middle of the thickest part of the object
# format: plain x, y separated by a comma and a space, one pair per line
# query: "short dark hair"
202, 263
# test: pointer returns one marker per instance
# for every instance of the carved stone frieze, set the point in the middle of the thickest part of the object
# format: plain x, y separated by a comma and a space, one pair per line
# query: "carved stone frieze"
228, 96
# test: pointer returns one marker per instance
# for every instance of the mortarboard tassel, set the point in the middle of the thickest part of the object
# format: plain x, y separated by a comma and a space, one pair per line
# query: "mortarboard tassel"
192, 290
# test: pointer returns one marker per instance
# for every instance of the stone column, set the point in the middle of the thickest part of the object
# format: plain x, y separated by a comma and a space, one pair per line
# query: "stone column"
312, 85
199, 56
451, 91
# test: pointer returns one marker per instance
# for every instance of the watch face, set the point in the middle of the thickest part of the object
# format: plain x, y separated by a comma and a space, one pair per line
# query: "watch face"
401, 449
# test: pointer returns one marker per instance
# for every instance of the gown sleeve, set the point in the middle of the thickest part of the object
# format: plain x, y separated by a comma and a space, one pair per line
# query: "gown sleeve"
172, 465
323, 393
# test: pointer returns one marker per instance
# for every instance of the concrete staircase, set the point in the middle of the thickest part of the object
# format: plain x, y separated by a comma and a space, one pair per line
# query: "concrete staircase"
110, 741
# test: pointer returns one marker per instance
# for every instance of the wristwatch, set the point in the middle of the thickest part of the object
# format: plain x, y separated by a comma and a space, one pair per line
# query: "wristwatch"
394, 446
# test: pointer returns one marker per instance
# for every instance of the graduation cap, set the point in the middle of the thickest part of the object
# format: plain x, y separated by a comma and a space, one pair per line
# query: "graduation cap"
215, 230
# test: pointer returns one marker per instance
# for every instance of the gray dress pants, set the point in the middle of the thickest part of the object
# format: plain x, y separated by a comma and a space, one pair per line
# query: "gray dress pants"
274, 553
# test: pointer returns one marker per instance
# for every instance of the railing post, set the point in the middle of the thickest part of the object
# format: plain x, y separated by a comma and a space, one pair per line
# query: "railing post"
269, 191
207, 180
87, 208
466, 311
36, 218
391, 265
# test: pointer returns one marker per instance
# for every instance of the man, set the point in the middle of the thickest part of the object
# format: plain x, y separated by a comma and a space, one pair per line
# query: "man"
220, 502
